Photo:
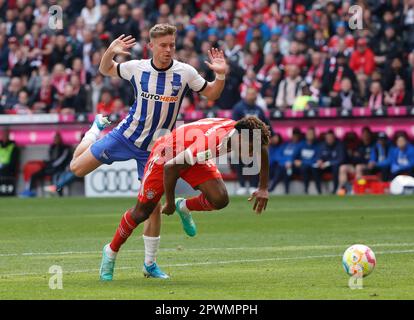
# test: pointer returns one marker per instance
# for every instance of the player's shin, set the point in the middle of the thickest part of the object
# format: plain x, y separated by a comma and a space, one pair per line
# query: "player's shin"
151, 249
125, 228
151, 236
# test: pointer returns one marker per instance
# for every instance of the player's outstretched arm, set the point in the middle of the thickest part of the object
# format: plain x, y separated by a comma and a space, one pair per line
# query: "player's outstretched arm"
119, 46
262, 194
218, 64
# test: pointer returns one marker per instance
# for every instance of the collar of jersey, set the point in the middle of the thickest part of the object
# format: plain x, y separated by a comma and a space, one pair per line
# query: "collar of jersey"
164, 69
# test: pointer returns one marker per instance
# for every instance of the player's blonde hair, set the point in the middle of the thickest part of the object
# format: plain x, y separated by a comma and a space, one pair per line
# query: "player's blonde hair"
162, 29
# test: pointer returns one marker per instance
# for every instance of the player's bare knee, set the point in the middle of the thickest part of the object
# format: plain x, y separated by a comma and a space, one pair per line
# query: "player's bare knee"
76, 168
139, 215
142, 212
221, 201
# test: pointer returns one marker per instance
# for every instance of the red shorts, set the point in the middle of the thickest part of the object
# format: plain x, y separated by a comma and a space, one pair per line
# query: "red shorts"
152, 187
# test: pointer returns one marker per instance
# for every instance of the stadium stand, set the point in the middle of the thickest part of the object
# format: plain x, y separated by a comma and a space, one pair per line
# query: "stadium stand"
311, 67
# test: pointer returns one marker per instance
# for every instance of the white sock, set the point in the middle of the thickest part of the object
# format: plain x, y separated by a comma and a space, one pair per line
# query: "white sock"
92, 134
183, 206
151, 249
109, 252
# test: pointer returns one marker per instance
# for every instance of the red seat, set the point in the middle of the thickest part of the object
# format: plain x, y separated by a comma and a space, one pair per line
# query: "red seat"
32, 167
370, 184
379, 187
327, 176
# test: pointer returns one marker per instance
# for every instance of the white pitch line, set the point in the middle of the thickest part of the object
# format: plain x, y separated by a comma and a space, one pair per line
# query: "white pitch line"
282, 248
211, 263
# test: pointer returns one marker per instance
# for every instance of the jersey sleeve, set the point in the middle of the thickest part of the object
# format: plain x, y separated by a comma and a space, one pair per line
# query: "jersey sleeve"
126, 69
195, 81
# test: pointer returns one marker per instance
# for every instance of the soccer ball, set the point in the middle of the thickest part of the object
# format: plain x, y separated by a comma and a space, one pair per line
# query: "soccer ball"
359, 259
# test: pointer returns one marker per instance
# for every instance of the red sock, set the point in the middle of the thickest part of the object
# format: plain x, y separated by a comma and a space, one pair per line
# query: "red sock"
199, 203
125, 228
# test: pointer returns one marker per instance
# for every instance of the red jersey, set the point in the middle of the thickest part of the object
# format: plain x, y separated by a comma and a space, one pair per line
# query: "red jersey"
298, 60
105, 108
200, 140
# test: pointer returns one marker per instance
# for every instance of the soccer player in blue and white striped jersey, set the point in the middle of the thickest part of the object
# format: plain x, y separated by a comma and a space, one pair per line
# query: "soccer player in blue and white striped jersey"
160, 84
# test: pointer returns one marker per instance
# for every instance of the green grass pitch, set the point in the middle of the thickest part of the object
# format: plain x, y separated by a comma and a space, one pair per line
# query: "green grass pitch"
292, 251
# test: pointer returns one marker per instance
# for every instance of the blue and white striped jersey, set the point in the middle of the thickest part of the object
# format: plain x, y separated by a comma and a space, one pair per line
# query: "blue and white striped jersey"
159, 93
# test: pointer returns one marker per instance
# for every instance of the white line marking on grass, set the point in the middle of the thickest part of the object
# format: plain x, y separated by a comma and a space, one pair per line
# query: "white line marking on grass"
211, 263
276, 248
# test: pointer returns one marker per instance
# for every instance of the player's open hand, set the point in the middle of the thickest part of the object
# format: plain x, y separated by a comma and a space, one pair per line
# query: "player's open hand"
217, 62
122, 44
168, 209
260, 203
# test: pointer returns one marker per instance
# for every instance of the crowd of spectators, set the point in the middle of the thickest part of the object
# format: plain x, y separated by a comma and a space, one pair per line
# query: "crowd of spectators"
309, 157
297, 54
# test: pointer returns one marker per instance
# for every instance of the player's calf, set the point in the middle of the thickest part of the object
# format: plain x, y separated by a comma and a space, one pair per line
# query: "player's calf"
214, 194
129, 221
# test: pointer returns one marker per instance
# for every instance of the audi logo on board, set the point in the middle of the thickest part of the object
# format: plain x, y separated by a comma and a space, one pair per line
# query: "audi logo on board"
114, 180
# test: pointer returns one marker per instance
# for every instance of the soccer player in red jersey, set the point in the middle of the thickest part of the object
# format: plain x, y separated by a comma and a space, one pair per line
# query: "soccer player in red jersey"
187, 152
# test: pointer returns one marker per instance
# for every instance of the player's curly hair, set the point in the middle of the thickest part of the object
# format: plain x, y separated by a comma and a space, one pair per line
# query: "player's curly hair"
251, 123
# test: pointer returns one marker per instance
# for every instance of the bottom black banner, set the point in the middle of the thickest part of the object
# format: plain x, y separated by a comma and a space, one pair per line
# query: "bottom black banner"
199, 309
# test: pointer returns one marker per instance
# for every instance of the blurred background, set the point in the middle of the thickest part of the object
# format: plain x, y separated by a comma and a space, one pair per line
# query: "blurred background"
335, 84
